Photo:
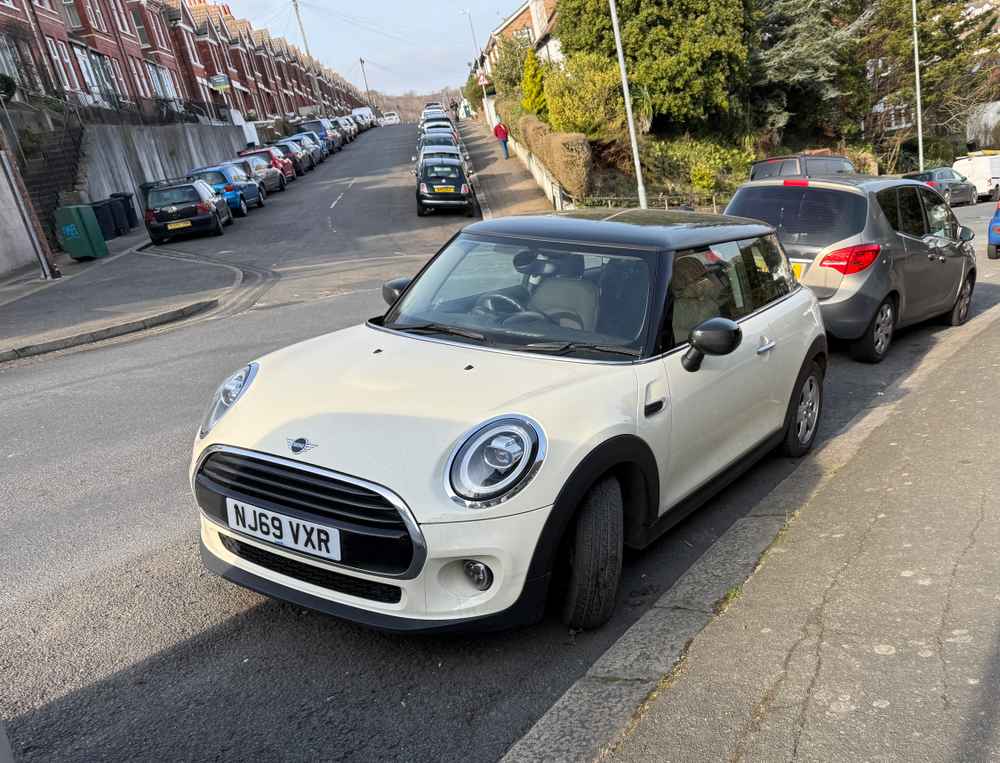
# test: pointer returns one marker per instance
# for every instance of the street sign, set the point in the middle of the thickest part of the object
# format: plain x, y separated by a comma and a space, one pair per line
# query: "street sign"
483, 79
219, 82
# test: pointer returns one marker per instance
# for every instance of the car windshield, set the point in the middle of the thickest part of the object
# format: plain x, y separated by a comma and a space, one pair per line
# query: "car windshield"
314, 126
164, 197
530, 295
802, 215
442, 171
439, 139
284, 149
257, 162
212, 178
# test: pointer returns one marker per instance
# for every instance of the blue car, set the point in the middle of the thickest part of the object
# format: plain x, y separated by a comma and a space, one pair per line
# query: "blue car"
993, 236
233, 184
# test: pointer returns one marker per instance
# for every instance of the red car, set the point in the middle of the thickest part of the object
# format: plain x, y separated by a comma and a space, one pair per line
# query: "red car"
278, 160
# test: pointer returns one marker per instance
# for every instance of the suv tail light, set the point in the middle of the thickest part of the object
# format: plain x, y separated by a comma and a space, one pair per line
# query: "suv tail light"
423, 188
204, 207
798, 183
229, 187
852, 259
465, 189
150, 216
932, 183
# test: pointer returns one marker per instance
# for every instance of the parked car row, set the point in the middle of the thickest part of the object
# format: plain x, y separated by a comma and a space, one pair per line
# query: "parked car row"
444, 179
209, 198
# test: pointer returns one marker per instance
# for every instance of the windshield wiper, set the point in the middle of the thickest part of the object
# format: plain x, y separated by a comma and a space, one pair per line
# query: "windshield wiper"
440, 328
564, 348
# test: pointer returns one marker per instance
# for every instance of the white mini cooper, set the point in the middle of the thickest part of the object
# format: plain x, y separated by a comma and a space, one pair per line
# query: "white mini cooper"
544, 392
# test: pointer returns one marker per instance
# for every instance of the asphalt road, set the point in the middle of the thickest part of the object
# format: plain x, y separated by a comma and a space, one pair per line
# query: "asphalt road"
116, 644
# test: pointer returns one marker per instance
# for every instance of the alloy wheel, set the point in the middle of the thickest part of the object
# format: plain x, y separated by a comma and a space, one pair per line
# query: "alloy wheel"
965, 300
883, 328
808, 411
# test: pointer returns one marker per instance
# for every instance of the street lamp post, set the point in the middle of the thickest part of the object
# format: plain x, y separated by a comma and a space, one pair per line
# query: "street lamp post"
641, 187
475, 47
916, 71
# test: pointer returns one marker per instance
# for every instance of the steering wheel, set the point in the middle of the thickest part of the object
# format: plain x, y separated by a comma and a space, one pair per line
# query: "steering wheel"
492, 302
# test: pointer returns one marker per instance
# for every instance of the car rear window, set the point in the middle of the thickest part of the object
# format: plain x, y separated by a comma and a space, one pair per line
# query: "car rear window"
803, 215
165, 197
774, 168
441, 171
923, 177
828, 166
212, 178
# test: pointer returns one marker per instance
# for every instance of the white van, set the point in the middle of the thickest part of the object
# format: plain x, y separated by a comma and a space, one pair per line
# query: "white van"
366, 114
982, 169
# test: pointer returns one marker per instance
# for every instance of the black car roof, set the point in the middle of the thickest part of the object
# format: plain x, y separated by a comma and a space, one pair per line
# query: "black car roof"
646, 228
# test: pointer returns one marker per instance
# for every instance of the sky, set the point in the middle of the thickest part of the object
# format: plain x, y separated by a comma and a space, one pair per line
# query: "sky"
419, 45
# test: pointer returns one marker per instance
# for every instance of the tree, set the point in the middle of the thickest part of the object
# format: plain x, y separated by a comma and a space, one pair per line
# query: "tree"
509, 66
689, 56
473, 92
584, 95
533, 86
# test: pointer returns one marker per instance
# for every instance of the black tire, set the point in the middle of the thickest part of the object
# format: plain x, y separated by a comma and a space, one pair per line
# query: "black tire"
993, 251
472, 209
217, 229
805, 411
595, 557
421, 210
282, 184
995, 194
157, 240
874, 344
229, 216
261, 196
963, 303
243, 211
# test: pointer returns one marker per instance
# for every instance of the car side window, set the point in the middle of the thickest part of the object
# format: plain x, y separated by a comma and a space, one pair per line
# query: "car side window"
911, 216
767, 267
941, 222
790, 167
889, 206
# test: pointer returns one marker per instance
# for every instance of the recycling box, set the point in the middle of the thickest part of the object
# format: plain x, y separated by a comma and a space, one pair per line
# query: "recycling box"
78, 232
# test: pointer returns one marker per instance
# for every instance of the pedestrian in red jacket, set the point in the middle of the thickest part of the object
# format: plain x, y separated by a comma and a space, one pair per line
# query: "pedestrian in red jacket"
501, 133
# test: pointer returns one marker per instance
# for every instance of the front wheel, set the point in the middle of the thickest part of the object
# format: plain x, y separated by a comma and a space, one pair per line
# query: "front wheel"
243, 210
874, 343
261, 195
804, 414
282, 184
217, 229
229, 216
960, 312
595, 557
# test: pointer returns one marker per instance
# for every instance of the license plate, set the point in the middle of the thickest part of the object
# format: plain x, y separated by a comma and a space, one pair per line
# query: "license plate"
444, 189
181, 224
297, 534
799, 269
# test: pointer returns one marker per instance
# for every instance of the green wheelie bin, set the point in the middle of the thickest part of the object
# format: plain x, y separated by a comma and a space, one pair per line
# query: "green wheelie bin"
78, 233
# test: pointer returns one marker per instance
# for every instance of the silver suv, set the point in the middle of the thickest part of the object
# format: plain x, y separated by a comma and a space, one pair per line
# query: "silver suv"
879, 253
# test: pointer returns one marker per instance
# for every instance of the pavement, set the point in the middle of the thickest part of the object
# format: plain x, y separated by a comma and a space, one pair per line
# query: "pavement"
117, 645
871, 630
505, 186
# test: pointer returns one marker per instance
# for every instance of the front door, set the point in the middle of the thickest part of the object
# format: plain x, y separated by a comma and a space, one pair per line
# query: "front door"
947, 251
722, 411
920, 267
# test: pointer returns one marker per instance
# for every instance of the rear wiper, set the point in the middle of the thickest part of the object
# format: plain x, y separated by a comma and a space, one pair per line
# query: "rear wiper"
440, 328
564, 348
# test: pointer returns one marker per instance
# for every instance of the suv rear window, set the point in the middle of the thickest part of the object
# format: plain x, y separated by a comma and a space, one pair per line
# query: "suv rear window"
826, 165
212, 178
803, 215
165, 197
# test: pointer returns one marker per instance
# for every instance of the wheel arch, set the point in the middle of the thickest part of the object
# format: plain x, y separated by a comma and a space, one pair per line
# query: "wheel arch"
631, 461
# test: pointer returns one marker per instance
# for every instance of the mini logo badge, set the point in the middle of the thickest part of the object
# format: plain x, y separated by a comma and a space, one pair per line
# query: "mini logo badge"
301, 445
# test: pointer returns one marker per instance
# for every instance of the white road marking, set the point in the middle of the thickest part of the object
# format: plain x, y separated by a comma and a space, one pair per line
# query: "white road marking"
335, 201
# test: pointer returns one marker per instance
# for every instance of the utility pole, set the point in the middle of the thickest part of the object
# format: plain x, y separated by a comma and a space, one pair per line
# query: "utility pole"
628, 107
916, 71
305, 41
475, 48
367, 89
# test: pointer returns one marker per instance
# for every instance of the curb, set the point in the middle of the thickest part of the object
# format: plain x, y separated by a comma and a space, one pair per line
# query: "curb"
89, 337
591, 718
482, 195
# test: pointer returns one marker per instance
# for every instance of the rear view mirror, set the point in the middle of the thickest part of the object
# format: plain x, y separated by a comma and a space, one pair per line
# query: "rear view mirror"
716, 336
393, 288
966, 234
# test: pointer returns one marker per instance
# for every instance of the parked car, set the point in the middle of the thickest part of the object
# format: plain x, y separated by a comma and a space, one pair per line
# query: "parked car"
439, 152
438, 129
315, 140
277, 159
295, 154
879, 253
259, 168
324, 130
433, 105
236, 187
308, 157
389, 118
504, 430
804, 165
953, 187
349, 126
993, 236
429, 114
366, 114
316, 151
983, 170
185, 206
444, 183
437, 138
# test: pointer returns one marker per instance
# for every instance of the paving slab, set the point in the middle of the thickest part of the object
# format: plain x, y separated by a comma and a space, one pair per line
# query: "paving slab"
505, 186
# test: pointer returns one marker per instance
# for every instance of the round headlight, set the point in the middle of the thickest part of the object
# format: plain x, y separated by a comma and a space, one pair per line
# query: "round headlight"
226, 396
495, 461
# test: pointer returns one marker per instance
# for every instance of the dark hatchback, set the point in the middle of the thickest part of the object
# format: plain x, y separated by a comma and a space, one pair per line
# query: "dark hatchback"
801, 165
183, 207
443, 184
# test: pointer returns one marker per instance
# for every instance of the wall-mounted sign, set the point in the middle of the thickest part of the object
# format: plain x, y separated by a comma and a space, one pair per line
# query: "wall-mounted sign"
219, 82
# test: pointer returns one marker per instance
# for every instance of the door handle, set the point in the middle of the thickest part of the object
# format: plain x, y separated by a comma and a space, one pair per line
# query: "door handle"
766, 345
653, 408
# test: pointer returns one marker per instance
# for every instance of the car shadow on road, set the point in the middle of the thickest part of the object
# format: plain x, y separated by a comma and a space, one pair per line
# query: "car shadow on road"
278, 682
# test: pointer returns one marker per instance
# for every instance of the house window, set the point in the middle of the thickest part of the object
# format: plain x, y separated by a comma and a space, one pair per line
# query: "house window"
60, 57
192, 49
72, 14
9, 59
120, 85
85, 68
54, 53
9, 4
154, 77
121, 18
140, 28
140, 78
95, 15
158, 31
43, 4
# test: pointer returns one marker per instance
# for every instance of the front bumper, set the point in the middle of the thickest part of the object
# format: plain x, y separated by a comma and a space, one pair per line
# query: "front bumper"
438, 598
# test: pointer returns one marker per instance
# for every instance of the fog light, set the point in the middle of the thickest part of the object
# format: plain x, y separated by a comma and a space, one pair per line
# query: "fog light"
478, 574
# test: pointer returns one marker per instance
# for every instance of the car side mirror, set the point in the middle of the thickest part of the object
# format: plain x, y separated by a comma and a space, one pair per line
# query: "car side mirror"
392, 288
966, 234
716, 336
413, 158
